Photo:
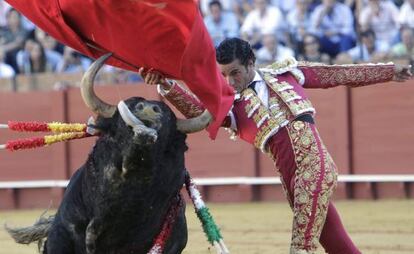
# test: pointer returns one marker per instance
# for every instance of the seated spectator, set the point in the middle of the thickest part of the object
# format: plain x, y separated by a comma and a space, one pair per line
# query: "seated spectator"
241, 9
382, 18
221, 24
23, 58
298, 21
12, 37
369, 49
48, 42
4, 8
73, 62
227, 5
311, 50
264, 18
406, 15
272, 51
284, 6
6, 71
332, 22
34, 59
404, 49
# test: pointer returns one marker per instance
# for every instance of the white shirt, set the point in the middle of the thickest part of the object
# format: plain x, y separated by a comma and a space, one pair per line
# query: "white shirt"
264, 56
385, 25
261, 89
271, 22
262, 93
406, 16
6, 71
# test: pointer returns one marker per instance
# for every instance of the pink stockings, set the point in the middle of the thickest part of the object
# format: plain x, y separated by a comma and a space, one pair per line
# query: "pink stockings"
308, 174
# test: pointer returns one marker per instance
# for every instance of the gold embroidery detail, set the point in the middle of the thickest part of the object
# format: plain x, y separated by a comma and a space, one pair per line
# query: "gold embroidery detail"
184, 101
313, 178
353, 75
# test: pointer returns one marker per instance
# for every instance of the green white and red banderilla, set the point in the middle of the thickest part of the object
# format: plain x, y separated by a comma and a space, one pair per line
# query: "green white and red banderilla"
165, 233
209, 226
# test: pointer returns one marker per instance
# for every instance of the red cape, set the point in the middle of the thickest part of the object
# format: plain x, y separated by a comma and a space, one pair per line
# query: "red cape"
168, 36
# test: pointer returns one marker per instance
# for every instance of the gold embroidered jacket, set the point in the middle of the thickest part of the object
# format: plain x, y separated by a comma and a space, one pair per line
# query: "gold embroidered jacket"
256, 123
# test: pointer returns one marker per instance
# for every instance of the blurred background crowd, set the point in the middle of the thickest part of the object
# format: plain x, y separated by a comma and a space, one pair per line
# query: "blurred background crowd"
328, 31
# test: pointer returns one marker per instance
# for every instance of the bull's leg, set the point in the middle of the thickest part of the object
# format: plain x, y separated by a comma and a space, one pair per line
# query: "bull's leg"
59, 241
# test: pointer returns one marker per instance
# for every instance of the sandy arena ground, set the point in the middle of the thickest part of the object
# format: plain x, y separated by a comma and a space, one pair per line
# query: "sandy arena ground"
377, 227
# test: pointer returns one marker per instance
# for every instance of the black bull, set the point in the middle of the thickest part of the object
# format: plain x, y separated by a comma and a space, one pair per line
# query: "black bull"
118, 200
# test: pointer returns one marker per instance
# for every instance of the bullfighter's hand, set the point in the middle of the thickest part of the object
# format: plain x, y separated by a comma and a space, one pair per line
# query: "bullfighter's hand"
402, 72
152, 77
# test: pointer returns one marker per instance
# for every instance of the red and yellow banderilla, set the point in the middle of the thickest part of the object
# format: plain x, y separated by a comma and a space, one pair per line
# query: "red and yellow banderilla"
63, 132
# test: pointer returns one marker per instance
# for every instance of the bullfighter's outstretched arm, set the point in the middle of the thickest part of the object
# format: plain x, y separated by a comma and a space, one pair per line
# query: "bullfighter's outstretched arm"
317, 75
183, 100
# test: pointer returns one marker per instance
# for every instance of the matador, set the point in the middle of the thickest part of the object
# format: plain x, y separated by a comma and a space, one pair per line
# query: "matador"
272, 112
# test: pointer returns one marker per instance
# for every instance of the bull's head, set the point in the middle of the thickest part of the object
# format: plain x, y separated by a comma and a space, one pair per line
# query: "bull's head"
145, 118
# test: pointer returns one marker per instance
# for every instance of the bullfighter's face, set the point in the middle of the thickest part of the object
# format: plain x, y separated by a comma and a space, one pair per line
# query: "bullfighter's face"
238, 75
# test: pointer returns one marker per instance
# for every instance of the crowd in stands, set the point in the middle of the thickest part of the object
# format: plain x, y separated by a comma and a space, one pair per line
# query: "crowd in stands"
328, 31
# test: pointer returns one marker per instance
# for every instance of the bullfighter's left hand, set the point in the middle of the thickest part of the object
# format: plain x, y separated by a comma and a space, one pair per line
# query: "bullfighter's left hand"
402, 72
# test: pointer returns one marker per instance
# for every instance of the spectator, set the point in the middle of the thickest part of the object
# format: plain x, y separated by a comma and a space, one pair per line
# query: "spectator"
369, 49
272, 51
333, 22
53, 58
221, 24
382, 18
35, 59
48, 42
6, 71
406, 15
241, 9
284, 6
73, 62
12, 37
263, 19
4, 8
227, 5
404, 49
311, 50
298, 21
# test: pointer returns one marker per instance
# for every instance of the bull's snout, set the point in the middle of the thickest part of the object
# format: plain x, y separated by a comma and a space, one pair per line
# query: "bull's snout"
148, 112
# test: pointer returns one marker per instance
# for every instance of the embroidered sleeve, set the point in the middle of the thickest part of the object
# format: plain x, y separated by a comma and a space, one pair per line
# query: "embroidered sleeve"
187, 103
319, 75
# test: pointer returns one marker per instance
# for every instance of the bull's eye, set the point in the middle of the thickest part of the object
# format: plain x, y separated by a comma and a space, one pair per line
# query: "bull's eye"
156, 109
140, 106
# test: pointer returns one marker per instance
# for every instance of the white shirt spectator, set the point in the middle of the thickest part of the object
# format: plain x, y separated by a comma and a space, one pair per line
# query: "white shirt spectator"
4, 8
227, 5
385, 23
284, 5
361, 53
271, 22
226, 27
340, 21
406, 16
6, 71
265, 56
298, 20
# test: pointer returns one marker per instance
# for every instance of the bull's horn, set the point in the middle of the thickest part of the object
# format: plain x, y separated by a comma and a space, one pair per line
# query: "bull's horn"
194, 124
88, 94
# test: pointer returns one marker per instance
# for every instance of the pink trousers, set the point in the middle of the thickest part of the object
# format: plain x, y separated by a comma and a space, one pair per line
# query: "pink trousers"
309, 177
